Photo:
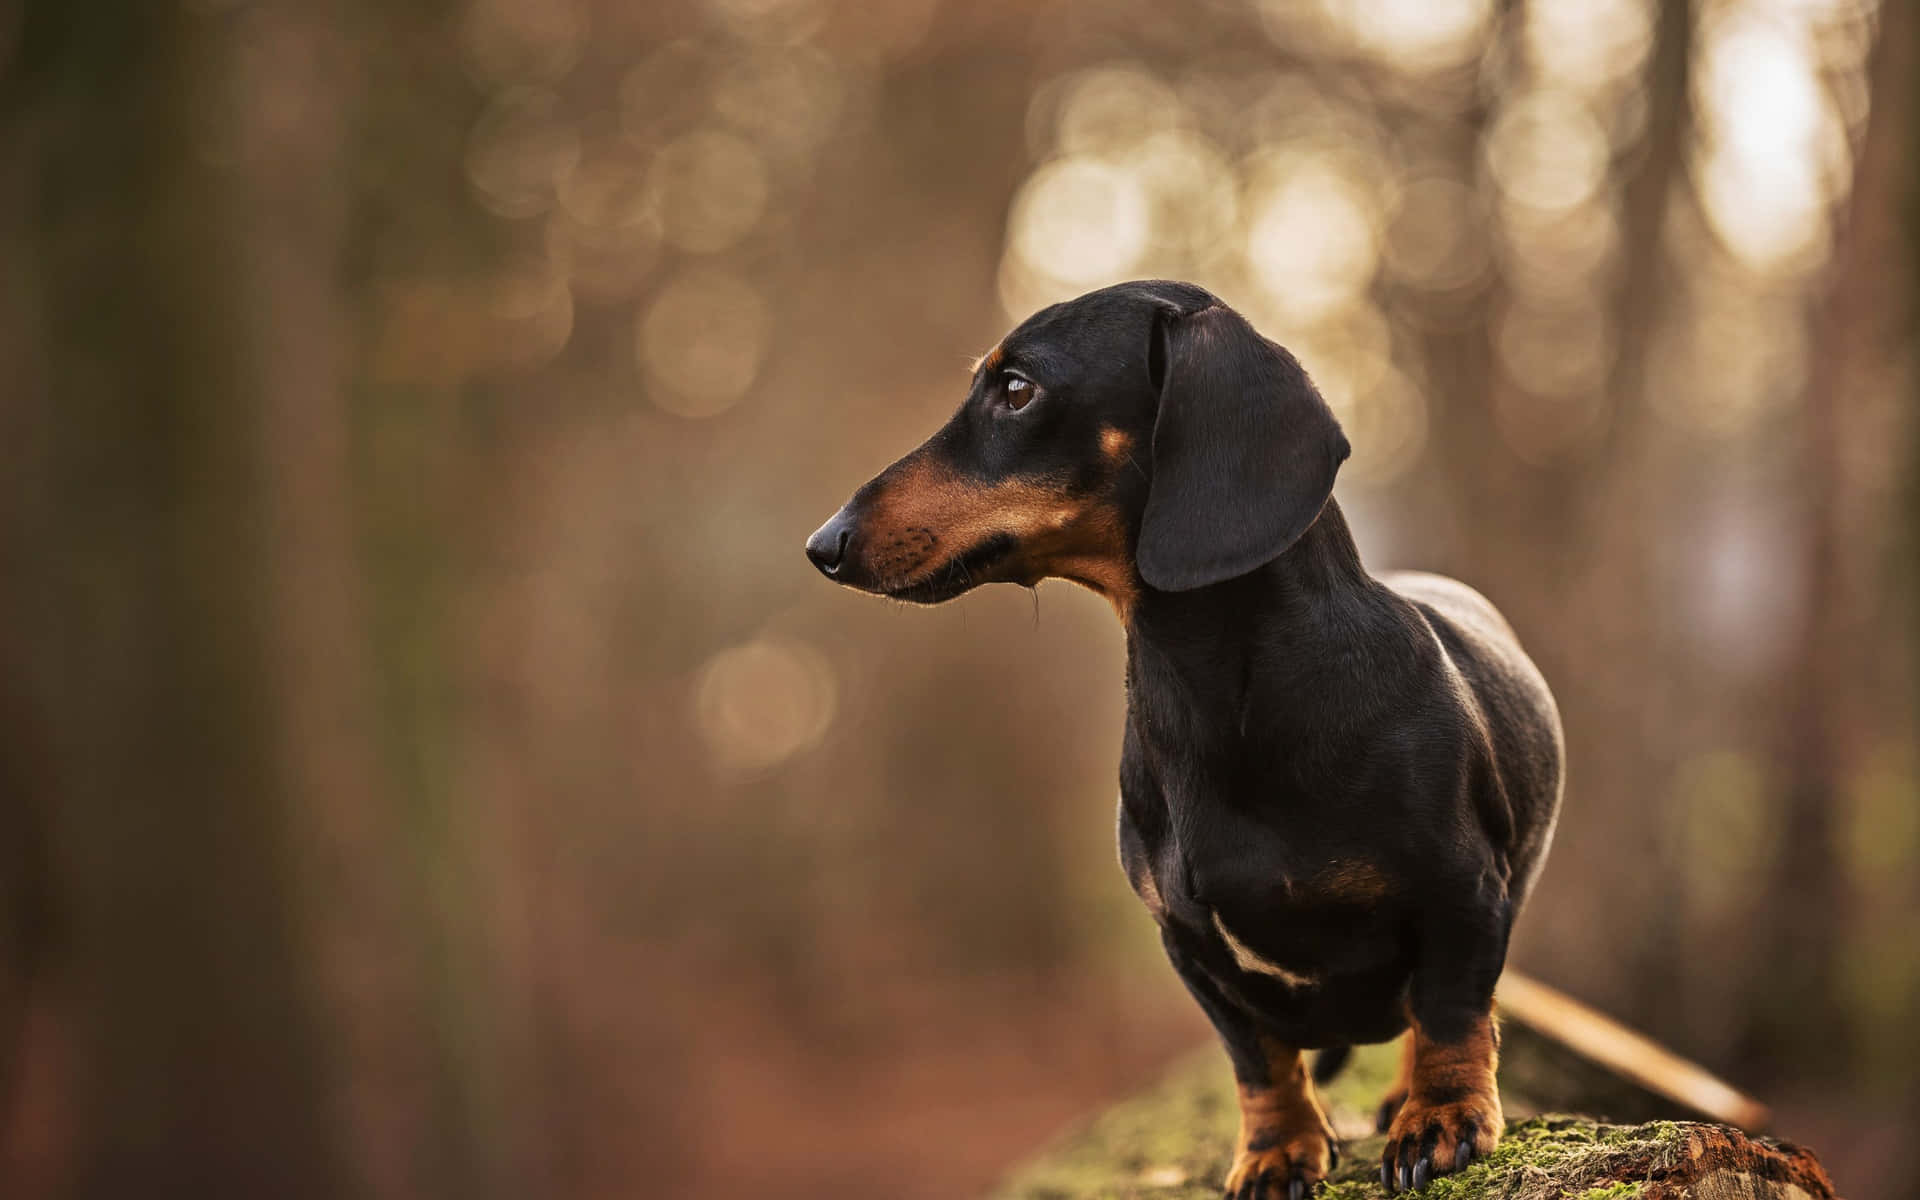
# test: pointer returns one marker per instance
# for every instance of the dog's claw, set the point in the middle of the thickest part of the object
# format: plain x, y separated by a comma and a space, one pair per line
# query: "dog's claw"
1296, 1188
1414, 1160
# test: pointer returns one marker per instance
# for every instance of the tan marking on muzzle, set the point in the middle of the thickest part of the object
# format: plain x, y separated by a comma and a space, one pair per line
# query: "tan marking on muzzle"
928, 515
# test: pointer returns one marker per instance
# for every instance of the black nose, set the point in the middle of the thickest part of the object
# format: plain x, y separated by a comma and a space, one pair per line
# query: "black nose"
828, 545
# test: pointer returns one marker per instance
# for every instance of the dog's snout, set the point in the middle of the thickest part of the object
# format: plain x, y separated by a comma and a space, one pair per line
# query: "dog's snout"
827, 548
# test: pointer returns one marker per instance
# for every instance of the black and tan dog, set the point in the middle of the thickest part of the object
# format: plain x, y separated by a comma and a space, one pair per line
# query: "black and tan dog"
1336, 790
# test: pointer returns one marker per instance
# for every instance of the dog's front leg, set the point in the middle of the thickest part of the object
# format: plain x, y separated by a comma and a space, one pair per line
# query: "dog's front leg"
1286, 1143
1451, 1114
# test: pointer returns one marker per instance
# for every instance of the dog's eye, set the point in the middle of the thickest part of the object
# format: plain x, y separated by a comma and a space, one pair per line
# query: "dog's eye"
1019, 392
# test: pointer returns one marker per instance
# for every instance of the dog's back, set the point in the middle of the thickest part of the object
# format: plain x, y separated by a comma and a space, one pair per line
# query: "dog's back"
1522, 720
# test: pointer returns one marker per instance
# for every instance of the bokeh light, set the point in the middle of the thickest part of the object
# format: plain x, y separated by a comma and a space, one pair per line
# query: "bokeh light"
702, 340
771, 21
1386, 420
1110, 109
758, 704
1411, 35
1079, 221
518, 151
1773, 150
1547, 152
1586, 44
709, 189
1192, 194
605, 227
787, 99
532, 307
1311, 239
1558, 358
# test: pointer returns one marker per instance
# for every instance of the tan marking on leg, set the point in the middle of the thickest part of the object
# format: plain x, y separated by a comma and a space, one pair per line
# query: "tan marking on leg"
1453, 1099
1283, 1131
1248, 960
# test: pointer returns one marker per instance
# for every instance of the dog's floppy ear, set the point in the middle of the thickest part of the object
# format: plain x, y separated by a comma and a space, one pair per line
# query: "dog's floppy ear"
1244, 451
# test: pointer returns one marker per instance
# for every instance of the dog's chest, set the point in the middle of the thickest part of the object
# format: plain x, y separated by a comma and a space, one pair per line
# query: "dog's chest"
1268, 911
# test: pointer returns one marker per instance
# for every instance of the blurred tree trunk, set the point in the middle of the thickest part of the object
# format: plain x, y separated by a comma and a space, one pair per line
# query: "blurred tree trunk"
233, 548
1906, 29
143, 622
1611, 503
1824, 729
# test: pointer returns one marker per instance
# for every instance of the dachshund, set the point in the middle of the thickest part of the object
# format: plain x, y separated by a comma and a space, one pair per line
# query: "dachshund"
1336, 790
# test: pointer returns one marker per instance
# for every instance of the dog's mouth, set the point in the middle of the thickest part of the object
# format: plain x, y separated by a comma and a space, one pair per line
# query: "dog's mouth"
960, 574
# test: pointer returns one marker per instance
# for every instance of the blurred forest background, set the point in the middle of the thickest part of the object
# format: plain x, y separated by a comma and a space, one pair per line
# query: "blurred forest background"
428, 766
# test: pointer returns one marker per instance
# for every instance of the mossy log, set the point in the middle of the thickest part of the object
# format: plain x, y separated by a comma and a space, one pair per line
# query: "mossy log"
1175, 1141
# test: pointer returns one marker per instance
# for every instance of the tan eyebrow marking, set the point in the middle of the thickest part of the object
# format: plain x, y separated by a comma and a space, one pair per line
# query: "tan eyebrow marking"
991, 360
1115, 443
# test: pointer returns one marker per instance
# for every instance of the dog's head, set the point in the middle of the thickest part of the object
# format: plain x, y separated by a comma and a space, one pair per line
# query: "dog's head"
1144, 432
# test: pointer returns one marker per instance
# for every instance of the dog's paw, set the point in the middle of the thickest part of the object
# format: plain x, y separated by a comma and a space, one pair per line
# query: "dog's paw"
1282, 1166
1427, 1139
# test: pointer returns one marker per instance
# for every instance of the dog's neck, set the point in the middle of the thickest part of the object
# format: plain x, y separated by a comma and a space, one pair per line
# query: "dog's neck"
1290, 617
1320, 567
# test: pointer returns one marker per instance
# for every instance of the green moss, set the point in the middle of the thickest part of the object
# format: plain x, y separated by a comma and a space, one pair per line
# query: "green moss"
1613, 1191
1175, 1143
